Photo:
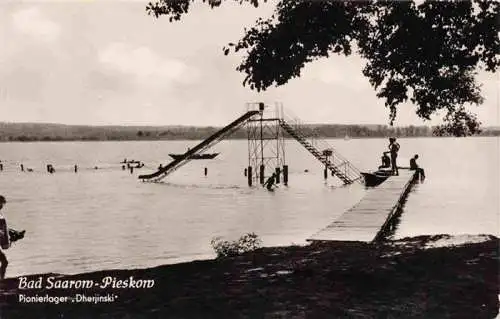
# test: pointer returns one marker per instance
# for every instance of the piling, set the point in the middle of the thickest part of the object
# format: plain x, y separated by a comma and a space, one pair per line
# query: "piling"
206, 171
76, 168
245, 172
50, 169
325, 173
22, 168
261, 175
285, 175
1, 167
249, 175
278, 172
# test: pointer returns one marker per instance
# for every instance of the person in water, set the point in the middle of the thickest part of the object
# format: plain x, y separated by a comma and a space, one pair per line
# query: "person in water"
414, 167
270, 182
394, 149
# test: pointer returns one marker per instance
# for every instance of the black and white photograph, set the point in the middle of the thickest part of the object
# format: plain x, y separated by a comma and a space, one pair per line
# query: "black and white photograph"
249, 159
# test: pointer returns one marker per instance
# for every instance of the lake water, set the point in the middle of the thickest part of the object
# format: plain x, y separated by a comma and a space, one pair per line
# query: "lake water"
108, 219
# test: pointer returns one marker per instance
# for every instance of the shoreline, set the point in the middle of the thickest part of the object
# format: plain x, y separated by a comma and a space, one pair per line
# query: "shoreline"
400, 279
230, 138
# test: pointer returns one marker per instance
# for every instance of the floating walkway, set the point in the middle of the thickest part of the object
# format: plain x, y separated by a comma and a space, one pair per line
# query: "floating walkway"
369, 220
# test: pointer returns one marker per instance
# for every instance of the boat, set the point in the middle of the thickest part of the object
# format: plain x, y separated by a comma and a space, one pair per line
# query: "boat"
125, 161
376, 178
195, 156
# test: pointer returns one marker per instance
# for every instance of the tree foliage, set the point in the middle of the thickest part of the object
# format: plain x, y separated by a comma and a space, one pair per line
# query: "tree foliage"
458, 123
427, 53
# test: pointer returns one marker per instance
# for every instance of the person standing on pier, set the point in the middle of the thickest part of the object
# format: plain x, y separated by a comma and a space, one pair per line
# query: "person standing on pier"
394, 149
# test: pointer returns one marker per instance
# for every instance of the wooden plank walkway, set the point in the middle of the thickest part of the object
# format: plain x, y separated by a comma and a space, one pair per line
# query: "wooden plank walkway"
368, 220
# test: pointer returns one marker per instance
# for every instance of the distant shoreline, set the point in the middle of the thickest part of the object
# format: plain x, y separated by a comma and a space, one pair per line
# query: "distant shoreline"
34, 132
34, 140
200, 139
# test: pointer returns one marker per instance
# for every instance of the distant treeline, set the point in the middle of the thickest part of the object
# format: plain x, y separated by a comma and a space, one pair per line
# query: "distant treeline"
60, 132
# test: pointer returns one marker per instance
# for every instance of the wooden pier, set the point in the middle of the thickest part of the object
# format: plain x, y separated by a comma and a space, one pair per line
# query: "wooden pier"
369, 220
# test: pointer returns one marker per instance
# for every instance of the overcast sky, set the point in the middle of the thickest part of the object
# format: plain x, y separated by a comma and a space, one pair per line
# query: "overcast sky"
107, 62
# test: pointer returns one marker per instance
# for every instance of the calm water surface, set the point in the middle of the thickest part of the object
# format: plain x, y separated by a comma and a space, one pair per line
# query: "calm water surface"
107, 219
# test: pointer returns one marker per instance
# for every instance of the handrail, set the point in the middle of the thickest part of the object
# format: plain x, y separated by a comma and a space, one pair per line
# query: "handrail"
334, 163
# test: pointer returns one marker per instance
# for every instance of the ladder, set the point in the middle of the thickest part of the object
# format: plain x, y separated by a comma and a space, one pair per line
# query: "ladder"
339, 166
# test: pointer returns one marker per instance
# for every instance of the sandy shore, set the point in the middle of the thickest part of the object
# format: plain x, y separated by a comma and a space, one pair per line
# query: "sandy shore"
324, 280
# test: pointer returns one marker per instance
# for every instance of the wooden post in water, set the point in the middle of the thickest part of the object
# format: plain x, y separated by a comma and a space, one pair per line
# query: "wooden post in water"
245, 172
249, 175
261, 175
327, 153
278, 172
285, 175
206, 171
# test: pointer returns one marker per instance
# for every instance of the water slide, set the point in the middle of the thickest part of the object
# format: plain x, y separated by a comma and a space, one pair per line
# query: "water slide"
204, 145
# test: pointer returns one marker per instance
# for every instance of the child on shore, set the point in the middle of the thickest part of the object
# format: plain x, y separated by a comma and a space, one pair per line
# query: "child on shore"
4, 239
7, 236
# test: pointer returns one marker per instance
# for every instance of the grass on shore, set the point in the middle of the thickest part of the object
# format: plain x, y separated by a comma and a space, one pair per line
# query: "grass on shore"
322, 280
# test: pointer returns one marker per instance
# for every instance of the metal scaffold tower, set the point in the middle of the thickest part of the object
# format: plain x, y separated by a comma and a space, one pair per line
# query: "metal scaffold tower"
266, 144
267, 131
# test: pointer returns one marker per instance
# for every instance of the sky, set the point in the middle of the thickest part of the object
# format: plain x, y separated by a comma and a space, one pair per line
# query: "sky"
106, 62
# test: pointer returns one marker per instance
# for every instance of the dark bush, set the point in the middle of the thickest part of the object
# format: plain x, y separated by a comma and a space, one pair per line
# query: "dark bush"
246, 243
